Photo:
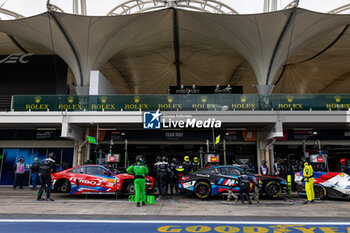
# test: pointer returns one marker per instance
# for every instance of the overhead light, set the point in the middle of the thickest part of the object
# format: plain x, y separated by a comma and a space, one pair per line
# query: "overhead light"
46, 129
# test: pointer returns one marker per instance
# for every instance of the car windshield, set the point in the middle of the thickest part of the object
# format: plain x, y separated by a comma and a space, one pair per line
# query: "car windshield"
229, 171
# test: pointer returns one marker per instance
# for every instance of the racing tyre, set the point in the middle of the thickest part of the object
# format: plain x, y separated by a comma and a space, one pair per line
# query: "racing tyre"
320, 192
273, 189
65, 187
202, 189
130, 188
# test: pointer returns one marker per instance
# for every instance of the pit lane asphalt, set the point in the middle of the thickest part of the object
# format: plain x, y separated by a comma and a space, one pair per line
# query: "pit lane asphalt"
22, 203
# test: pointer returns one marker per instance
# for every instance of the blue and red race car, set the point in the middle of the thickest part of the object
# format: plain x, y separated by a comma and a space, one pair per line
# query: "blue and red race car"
96, 179
326, 184
219, 179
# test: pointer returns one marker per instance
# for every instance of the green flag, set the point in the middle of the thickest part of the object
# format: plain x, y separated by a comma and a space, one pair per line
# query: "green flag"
91, 140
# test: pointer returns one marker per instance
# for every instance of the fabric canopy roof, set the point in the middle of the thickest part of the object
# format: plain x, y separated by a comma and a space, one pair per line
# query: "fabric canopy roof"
137, 53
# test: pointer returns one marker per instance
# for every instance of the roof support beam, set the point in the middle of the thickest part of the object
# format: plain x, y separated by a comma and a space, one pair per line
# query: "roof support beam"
176, 46
71, 44
17, 44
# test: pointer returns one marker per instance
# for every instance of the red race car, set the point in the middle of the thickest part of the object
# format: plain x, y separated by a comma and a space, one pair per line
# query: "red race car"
96, 179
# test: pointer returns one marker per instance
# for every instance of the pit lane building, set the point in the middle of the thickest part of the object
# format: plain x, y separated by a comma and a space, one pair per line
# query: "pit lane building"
65, 76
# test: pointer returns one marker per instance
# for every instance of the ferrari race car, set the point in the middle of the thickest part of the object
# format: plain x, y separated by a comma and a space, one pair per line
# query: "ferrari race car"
217, 180
96, 179
326, 184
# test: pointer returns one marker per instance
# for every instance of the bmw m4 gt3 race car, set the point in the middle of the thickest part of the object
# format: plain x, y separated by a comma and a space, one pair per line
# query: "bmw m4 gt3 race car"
96, 179
217, 180
326, 184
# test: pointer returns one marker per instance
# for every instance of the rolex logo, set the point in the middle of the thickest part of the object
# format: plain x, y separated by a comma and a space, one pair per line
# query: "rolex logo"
103, 99
204, 99
337, 98
243, 98
70, 99
37, 99
137, 99
290, 98
170, 99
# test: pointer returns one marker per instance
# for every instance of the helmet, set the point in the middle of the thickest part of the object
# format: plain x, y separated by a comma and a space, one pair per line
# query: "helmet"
306, 164
174, 160
342, 161
165, 159
36, 159
186, 158
139, 158
52, 156
195, 159
158, 158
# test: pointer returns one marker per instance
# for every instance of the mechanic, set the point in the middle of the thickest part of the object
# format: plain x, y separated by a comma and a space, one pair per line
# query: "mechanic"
257, 187
293, 168
231, 194
155, 170
174, 176
342, 165
244, 186
35, 172
264, 170
251, 167
139, 170
195, 164
308, 174
163, 171
47, 166
347, 167
187, 165
20, 169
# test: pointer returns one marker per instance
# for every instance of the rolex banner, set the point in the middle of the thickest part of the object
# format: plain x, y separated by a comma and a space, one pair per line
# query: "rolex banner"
215, 102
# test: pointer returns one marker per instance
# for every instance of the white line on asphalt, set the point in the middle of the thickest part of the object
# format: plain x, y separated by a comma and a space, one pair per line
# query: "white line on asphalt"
168, 222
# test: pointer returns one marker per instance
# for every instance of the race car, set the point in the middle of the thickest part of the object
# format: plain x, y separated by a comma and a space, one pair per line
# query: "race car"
326, 184
96, 179
217, 180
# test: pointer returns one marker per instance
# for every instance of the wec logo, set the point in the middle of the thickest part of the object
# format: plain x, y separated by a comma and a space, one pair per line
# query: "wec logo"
16, 57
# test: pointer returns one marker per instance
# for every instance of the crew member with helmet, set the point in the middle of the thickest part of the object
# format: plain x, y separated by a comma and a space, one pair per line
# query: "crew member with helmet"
244, 186
187, 165
251, 167
163, 174
308, 174
347, 167
139, 170
342, 165
195, 164
47, 167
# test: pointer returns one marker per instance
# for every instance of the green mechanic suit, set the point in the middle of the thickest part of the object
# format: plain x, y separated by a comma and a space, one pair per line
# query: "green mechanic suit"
139, 170
308, 174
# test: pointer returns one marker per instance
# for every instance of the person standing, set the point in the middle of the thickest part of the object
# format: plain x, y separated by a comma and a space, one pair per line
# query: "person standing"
174, 176
187, 165
195, 164
277, 168
264, 170
20, 169
139, 170
35, 172
163, 174
308, 174
244, 186
47, 167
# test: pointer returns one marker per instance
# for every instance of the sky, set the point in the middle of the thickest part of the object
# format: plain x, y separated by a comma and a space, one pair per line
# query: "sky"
102, 7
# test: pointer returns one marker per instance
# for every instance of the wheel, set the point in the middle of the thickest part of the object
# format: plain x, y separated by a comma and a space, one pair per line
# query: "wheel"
130, 188
320, 192
202, 189
273, 189
65, 187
